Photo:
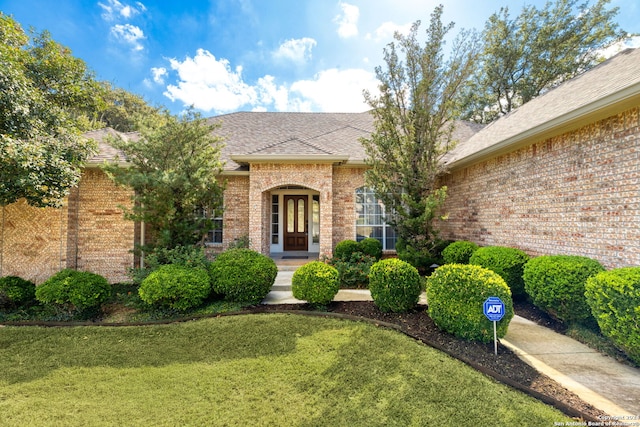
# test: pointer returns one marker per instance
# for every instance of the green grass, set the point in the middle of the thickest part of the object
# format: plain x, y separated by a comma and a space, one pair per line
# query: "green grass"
252, 370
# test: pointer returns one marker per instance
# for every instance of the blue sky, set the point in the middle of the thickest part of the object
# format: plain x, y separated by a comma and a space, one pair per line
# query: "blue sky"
248, 55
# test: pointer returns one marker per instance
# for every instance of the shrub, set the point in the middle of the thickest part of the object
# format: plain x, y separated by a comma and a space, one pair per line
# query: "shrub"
175, 287
556, 283
395, 285
506, 262
614, 299
316, 283
188, 256
353, 273
16, 291
243, 275
459, 252
345, 249
456, 294
74, 291
421, 260
371, 247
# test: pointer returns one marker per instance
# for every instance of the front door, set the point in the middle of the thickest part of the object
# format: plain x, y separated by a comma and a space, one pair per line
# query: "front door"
296, 227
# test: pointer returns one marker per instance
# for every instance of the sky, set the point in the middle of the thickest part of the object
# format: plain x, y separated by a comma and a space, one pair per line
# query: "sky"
223, 56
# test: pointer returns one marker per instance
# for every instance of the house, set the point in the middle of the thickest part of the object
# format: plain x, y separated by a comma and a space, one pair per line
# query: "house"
559, 175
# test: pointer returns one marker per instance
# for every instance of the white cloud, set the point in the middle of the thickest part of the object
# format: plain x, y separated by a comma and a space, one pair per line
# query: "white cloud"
209, 84
113, 9
296, 50
348, 20
614, 49
269, 94
386, 31
159, 74
337, 90
129, 34
213, 86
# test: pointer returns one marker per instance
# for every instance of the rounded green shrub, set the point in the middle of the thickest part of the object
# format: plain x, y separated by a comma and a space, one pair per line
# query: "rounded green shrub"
345, 249
556, 284
371, 247
459, 252
243, 275
508, 263
74, 291
175, 287
614, 299
315, 282
16, 291
395, 285
188, 256
456, 294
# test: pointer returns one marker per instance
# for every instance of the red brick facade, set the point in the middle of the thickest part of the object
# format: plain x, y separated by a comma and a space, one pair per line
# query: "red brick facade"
577, 193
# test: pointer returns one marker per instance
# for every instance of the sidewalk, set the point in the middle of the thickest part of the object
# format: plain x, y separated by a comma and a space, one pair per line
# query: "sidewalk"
597, 379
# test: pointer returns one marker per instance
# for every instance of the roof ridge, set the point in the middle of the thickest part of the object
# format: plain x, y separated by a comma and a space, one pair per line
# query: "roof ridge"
293, 138
307, 140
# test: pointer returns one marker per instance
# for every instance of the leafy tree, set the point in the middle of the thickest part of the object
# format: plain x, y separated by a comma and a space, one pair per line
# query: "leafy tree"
414, 121
539, 49
122, 108
173, 169
43, 95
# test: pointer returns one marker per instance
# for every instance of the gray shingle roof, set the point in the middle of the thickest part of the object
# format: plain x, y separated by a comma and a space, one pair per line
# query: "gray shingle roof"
105, 151
607, 84
260, 133
285, 135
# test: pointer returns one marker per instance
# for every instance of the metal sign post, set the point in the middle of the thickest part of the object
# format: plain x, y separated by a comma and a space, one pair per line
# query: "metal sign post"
493, 309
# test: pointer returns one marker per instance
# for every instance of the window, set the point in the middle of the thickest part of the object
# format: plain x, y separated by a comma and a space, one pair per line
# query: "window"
370, 219
315, 229
214, 236
275, 217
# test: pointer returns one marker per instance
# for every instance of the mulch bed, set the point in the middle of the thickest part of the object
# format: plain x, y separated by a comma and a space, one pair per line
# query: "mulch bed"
506, 367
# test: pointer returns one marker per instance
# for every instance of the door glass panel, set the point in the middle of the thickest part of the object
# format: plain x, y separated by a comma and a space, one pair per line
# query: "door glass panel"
301, 215
291, 216
316, 219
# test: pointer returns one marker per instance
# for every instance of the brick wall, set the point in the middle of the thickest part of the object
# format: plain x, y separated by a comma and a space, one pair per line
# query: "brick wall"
104, 237
345, 182
88, 233
32, 241
578, 193
235, 223
266, 176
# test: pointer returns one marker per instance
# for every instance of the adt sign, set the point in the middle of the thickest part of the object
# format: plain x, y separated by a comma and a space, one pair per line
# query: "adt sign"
493, 308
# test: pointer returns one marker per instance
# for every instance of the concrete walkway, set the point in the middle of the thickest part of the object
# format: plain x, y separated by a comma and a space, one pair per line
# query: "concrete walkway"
597, 379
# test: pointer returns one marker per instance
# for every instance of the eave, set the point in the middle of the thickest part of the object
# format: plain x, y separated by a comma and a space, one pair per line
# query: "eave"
600, 109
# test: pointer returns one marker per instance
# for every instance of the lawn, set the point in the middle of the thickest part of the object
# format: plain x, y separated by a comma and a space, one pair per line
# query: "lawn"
275, 369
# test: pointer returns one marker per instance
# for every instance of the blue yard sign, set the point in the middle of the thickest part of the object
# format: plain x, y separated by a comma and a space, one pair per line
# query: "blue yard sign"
493, 308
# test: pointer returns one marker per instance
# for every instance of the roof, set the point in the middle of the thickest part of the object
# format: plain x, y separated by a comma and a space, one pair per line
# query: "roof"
314, 137
261, 136
105, 151
608, 88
